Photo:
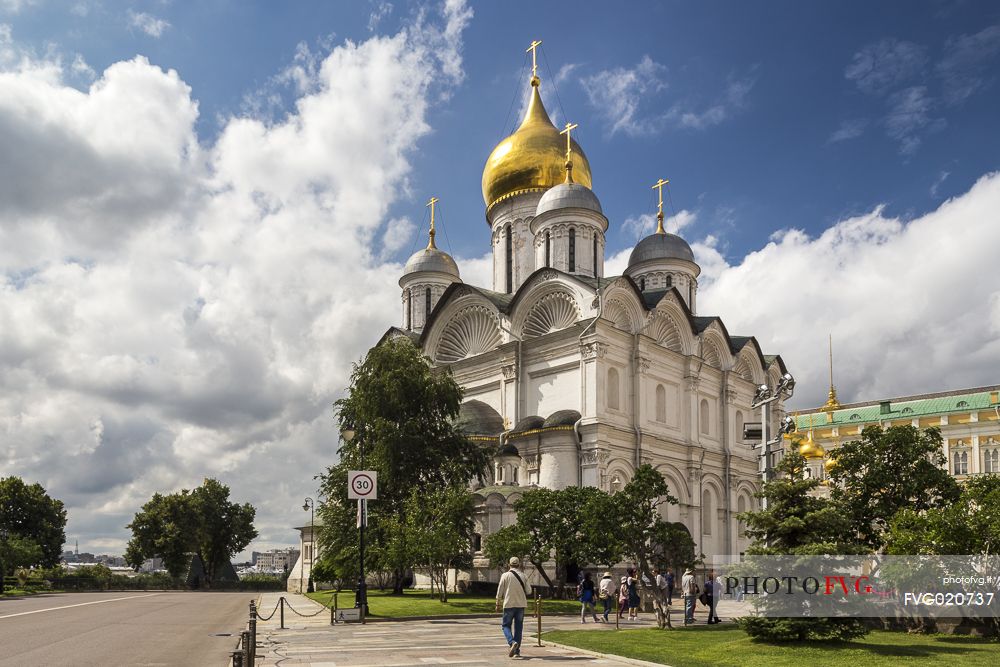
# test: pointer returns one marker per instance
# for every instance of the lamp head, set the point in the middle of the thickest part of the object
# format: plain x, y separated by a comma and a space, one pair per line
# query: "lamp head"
787, 383
347, 434
763, 392
788, 425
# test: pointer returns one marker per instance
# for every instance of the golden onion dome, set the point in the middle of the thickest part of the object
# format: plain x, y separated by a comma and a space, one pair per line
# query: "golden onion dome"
533, 158
831, 463
811, 450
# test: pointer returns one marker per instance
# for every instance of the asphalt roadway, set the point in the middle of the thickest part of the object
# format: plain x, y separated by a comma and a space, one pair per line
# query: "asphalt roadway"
130, 628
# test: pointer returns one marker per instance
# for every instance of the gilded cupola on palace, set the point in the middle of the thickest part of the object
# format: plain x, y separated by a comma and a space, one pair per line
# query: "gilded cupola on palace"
533, 158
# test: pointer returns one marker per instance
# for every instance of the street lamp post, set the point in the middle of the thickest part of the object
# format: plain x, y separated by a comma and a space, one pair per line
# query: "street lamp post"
308, 505
763, 399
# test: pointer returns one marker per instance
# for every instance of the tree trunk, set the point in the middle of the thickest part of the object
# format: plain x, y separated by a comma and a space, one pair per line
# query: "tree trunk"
541, 571
397, 581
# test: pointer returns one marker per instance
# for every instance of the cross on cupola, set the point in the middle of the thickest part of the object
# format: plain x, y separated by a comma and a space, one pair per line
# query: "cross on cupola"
430, 242
534, 62
569, 151
659, 206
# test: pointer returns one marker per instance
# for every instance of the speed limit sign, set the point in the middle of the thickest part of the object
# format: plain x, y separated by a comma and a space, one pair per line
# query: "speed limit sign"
362, 485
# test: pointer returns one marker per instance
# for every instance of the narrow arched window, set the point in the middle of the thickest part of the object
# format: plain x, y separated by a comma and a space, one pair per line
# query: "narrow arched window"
706, 512
509, 260
548, 249
741, 507
739, 425
409, 309
661, 403
705, 421
613, 388
670, 282
595, 255
572, 250
427, 305
642, 284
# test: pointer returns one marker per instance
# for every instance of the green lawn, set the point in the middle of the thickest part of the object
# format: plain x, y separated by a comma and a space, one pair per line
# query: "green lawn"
419, 603
730, 647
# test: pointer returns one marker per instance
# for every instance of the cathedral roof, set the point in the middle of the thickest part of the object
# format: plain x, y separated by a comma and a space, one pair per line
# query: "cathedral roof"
533, 158
478, 418
562, 418
661, 246
431, 259
569, 195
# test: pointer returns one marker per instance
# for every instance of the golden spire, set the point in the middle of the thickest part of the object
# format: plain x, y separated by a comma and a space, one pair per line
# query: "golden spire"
569, 151
430, 241
534, 63
831, 402
659, 206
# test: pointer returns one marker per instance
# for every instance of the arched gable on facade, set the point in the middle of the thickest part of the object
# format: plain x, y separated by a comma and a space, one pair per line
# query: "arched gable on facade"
715, 346
549, 300
623, 306
464, 326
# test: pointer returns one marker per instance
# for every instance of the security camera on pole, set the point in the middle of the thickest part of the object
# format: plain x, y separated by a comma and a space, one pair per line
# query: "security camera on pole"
758, 432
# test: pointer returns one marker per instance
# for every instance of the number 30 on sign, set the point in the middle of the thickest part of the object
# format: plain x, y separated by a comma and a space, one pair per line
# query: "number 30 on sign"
362, 485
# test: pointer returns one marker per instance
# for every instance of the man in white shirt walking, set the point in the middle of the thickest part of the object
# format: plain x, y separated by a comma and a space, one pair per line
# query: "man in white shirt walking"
512, 598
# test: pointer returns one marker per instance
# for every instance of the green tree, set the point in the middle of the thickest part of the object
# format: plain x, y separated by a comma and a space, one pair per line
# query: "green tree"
798, 523
403, 413
202, 521
17, 552
971, 525
642, 533
28, 512
888, 470
440, 527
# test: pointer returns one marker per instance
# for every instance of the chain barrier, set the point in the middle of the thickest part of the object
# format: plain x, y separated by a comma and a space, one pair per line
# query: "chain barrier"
261, 617
287, 604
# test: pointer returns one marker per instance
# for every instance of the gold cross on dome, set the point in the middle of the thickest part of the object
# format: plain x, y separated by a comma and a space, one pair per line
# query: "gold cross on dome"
569, 128
659, 206
534, 64
433, 200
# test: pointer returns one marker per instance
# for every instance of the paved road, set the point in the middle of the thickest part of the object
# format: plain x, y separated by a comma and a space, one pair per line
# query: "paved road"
123, 628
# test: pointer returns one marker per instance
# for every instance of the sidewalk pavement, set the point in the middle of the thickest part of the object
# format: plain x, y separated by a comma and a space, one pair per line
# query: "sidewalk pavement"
309, 640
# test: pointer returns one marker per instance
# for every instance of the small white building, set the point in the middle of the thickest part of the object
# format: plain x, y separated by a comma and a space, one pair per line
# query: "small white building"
300, 571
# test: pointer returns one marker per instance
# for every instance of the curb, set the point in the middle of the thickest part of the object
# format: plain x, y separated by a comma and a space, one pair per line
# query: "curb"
609, 656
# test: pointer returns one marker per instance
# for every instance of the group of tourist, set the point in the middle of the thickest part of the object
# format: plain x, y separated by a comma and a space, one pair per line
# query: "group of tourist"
513, 593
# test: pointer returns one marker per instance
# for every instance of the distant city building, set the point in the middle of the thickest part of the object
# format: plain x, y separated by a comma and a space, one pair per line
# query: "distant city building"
275, 560
969, 420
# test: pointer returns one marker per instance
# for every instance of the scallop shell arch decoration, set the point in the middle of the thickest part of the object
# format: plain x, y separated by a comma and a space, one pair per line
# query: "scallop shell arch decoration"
711, 355
552, 312
617, 313
666, 333
471, 331
743, 368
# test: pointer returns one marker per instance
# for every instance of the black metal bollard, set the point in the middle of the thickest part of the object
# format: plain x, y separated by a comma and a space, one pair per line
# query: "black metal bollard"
237, 658
253, 632
245, 635
282, 602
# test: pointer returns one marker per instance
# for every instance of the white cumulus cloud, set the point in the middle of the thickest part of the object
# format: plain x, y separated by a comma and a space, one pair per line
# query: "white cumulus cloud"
172, 309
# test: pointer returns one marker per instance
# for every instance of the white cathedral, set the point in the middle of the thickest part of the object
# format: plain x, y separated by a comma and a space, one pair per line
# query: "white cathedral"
577, 378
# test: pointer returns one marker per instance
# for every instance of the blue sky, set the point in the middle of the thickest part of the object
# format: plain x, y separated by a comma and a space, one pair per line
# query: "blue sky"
772, 162
205, 207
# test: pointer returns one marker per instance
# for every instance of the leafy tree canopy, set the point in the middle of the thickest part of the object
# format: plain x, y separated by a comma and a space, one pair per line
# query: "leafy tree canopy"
888, 470
971, 525
402, 412
28, 512
202, 521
